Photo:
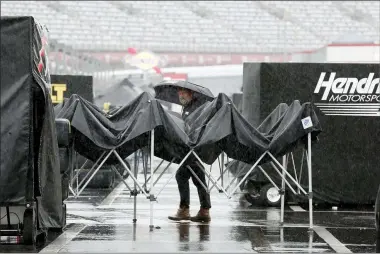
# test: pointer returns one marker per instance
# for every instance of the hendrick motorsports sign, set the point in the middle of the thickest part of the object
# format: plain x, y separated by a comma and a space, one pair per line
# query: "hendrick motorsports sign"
349, 96
346, 156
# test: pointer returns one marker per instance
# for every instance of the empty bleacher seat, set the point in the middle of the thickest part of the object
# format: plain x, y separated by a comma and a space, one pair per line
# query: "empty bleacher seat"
179, 26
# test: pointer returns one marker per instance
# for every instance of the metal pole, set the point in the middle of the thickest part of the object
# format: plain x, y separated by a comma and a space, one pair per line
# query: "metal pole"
121, 177
281, 174
163, 172
247, 174
151, 192
222, 170
93, 174
90, 171
135, 191
179, 165
129, 172
268, 177
82, 167
310, 181
155, 171
286, 172
196, 177
311, 239
282, 192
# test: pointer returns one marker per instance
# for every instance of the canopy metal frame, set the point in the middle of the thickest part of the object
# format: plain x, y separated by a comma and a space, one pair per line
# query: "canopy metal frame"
153, 194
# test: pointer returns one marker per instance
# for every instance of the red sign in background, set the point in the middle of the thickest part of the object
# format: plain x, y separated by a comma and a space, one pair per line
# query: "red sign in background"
185, 59
174, 76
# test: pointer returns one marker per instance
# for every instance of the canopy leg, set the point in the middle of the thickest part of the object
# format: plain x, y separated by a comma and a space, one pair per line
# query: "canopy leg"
222, 171
151, 192
129, 172
286, 172
82, 167
72, 191
93, 174
199, 180
163, 172
268, 177
90, 171
144, 157
310, 181
282, 191
311, 239
121, 177
155, 171
134, 193
179, 165
301, 167
247, 174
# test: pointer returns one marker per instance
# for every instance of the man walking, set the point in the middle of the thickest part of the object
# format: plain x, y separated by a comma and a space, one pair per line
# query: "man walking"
183, 174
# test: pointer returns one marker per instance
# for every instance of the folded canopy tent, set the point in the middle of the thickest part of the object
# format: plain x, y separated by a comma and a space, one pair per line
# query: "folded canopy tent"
215, 127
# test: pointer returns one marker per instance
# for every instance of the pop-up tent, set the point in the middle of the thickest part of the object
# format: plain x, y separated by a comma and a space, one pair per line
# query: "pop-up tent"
213, 128
29, 173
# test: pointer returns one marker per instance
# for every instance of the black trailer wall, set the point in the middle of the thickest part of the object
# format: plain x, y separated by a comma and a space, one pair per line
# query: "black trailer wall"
29, 169
237, 99
16, 110
346, 161
63, 86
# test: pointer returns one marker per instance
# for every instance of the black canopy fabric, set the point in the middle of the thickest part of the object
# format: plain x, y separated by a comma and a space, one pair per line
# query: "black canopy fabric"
168, 91
218, 126
29, 150
268, 128
214, 127
126, 130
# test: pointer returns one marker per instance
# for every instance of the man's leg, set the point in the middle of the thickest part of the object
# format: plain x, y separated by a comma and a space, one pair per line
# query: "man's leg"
183, 176
204, 197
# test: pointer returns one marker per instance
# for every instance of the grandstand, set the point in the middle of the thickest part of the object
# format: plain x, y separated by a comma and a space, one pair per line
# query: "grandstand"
81, 30
202, 26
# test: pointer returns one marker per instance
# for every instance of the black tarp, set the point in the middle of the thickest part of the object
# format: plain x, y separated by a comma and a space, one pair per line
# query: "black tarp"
127, 129
218, 126
346, 163
29, 150
212, 128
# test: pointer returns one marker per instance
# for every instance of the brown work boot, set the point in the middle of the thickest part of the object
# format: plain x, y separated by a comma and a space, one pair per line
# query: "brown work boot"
183, 213
202, 216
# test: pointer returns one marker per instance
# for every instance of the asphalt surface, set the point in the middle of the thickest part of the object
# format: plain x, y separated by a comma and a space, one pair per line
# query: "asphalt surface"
101, 221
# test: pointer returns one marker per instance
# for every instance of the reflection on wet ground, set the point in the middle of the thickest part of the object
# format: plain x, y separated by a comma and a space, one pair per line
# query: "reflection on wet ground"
100, 221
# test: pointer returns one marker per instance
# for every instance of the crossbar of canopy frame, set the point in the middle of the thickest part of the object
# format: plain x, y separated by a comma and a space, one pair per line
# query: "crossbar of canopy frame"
284, 174
152, 181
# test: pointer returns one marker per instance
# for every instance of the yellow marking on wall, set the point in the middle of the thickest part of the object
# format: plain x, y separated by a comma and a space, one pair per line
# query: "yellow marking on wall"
57, 92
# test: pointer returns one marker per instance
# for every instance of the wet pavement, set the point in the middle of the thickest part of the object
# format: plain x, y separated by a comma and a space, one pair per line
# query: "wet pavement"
101, 221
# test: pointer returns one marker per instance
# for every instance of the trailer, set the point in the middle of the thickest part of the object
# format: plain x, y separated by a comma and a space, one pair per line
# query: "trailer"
349, 173
31, 195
